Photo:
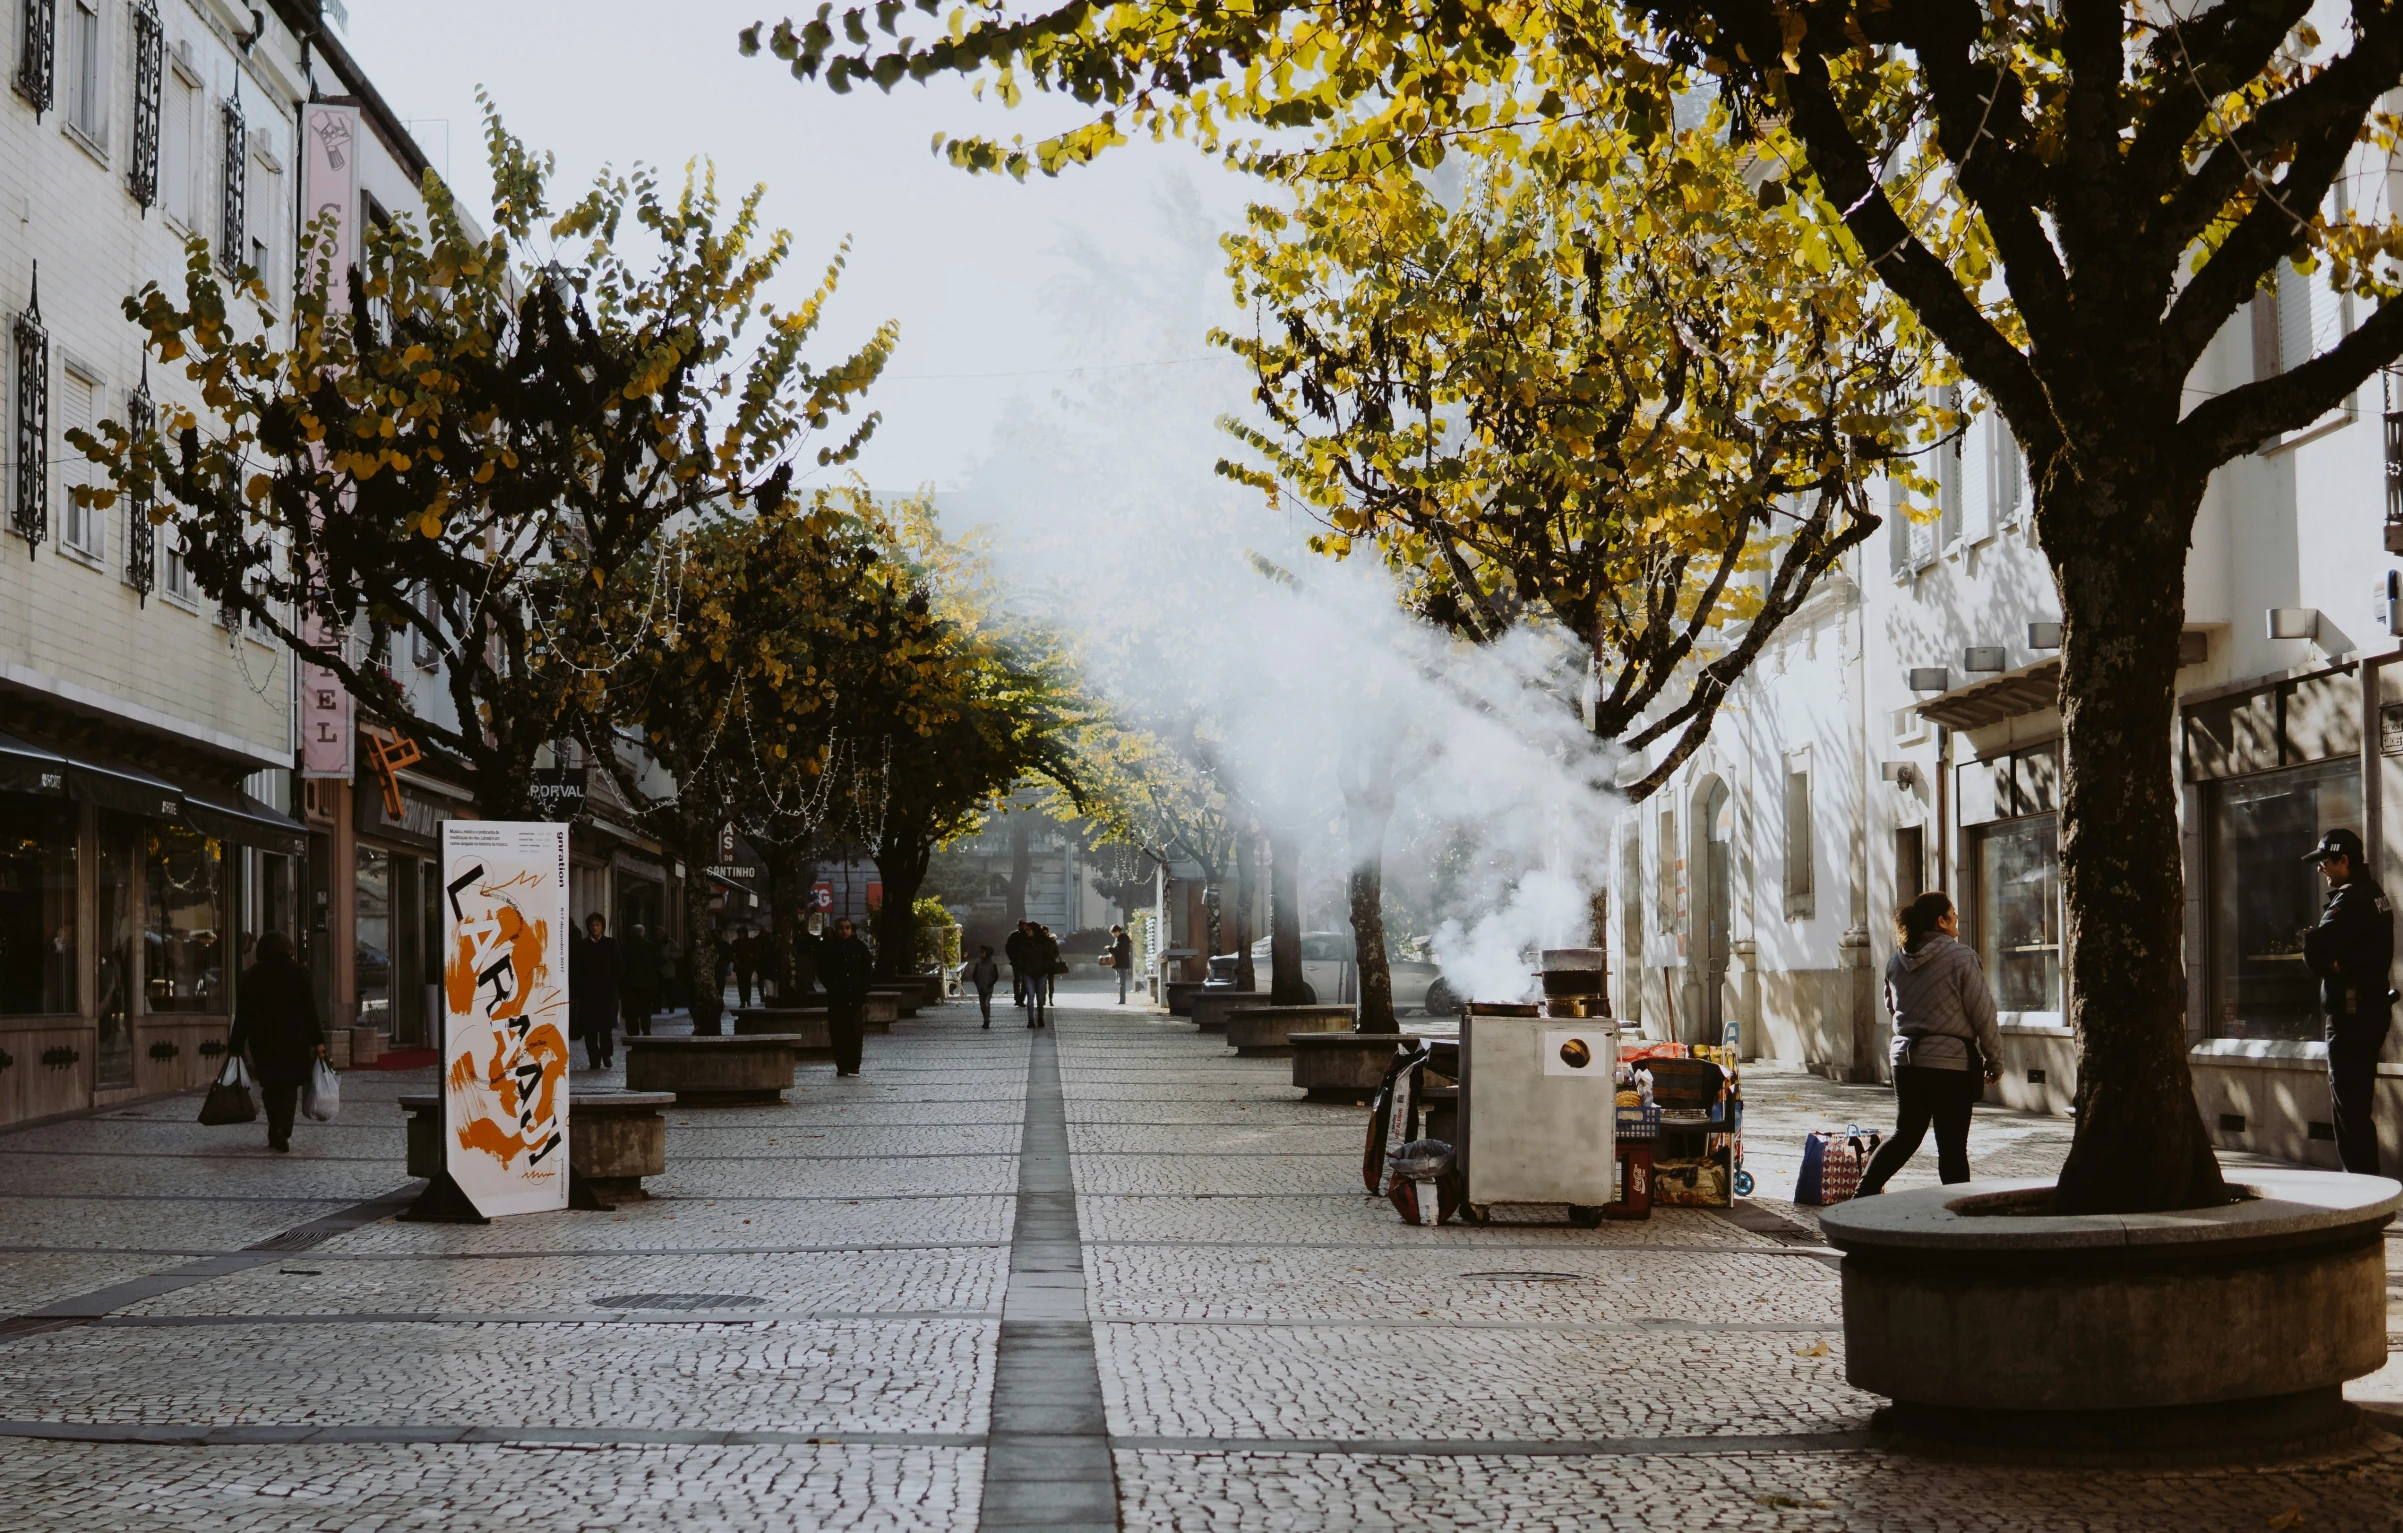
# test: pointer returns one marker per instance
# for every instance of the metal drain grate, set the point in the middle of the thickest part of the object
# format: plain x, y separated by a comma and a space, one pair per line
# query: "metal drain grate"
679, 1301
1528, 1277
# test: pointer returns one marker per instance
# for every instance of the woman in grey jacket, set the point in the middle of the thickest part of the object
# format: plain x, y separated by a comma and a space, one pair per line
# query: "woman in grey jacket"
1945, 1039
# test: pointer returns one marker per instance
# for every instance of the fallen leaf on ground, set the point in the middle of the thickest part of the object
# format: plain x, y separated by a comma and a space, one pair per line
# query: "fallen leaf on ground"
2292, 1517
1815, 1349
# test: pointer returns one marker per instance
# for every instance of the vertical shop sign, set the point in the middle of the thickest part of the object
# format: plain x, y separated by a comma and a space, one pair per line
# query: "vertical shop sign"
326, 735
329, 188
504, 993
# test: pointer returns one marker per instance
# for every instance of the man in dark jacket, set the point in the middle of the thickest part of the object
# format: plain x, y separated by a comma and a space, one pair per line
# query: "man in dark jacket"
1122, 958
1014, 948
845, 967
2351, 951
639, 988
594, 972
275, 1023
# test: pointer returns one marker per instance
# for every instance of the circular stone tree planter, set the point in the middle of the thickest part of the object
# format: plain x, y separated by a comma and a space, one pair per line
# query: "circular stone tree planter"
805, 1024
2000, 1330
1341, 1067
754, 1068
1210, 1007
1262, 1031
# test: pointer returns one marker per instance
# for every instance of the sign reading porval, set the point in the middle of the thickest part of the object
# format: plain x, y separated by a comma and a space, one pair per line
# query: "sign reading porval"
504, 994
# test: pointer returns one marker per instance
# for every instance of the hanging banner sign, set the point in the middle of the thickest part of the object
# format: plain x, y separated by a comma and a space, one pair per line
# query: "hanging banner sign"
329, 188
504, 994
326, 734
558, 793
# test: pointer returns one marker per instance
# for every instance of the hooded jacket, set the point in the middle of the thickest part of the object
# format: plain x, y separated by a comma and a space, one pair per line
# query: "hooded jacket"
1938, 997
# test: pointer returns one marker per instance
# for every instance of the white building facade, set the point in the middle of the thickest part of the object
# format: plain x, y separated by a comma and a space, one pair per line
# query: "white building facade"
1902, 734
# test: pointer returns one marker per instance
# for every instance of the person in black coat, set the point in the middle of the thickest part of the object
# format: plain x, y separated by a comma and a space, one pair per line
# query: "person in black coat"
845, 968
275, 1023
640, 982
593, 976
1014, 947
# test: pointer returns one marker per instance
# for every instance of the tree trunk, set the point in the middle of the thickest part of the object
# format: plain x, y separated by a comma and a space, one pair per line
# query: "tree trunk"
2119, 560
1366, 816
1286, 987
1214, 918
700, 935
1022, 865
903, 866
1247, 892
788, 900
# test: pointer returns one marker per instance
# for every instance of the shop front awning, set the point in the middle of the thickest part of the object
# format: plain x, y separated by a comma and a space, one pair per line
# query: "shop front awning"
2026, 690
28, 768
128, 789
229, 814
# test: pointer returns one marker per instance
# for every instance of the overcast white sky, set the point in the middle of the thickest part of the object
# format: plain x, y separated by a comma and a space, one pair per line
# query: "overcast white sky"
974, 267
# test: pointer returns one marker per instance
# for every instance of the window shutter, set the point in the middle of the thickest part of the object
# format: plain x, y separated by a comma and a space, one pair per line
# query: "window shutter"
2009, 472
1798, 835
1948, 474
1898, 532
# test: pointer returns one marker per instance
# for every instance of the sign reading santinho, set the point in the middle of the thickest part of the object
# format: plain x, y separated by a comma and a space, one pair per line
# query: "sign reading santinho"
504, 993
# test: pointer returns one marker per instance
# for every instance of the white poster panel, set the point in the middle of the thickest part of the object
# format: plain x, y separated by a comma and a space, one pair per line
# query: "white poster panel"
504, 993
329, 184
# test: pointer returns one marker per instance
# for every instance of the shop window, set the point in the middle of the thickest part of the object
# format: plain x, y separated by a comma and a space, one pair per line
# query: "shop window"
269, 903
183, 928
371, 961
1666, 901
2010, 821
2294, 724
37, 906
2263, 896
113, 930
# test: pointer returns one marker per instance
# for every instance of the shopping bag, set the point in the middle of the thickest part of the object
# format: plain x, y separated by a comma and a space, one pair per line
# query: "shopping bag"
1832, 1164
321, 1098
229, 1100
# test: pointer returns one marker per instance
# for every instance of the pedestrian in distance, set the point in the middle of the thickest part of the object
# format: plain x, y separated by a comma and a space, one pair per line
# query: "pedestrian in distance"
845, 968
746, 963
639, 992
672, 987
982, 972
1043, 959
1122, 958
1014, 948
594, 973
275, 1024
1947, 1043
2350, 952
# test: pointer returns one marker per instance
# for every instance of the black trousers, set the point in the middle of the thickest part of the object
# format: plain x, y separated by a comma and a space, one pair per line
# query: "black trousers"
2354, 1044
638, 1007
280, 1098
843, 1030
1925, 1096
984, 1000
1018, 978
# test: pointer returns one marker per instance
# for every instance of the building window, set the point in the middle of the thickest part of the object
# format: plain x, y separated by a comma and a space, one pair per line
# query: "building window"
150, 61
180, 154
37, 52
38, 964
233, 227
2007, 473
87, 73
1950, 510
183, 927
29, 504
1666, 894
2263, 896
2010, 817
179, 583
80, 407
1800, 874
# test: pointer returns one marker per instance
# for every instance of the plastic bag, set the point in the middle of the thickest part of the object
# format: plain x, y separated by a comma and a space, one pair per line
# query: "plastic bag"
321, 1098
229, 1100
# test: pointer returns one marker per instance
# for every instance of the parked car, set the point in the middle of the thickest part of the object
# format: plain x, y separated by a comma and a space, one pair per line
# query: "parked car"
1333, 977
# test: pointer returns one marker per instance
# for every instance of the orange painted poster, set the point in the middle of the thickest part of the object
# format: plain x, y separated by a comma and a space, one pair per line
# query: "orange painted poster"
504, 995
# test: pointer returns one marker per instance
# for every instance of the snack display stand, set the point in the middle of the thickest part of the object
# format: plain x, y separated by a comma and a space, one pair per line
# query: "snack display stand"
1697, 1095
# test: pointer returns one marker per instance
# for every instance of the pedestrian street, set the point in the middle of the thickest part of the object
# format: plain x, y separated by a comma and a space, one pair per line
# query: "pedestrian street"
877, 1306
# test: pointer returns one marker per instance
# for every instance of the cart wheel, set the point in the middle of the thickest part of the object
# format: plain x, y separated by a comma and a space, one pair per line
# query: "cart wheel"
1584, 1217
1743, 1184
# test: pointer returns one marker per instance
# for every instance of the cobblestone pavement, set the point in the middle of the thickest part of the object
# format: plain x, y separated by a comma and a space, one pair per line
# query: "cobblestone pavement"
807, 1327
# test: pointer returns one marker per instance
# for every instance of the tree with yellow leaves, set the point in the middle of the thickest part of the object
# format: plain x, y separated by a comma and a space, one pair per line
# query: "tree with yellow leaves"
469, 448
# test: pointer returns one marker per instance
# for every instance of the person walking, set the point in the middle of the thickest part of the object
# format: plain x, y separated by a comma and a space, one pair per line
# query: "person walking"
2351, 952
1946, 1040
845, 967
275, 1023
594, 972
1014, 947
672, 988
982, 972
1122, 958
746, 965
639, 992
1043, 957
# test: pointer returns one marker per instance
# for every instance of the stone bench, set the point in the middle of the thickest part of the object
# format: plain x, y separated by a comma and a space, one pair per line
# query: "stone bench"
1179, 994
714, 1072
805, 1023
1341, 1067
905, 999
1210, 1007
614, 1138
1262, 1031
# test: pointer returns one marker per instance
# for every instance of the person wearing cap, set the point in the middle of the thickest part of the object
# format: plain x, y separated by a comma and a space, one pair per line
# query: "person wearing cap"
2350, 952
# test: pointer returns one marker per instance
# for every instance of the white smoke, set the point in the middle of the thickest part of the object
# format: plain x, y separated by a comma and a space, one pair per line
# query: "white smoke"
1493, 957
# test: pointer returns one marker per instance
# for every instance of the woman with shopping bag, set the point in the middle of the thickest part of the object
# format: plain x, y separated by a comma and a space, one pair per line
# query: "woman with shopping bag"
1946, 1041
275, 1023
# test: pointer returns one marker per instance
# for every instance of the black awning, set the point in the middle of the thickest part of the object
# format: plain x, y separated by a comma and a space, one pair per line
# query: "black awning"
229, 814
30, 769
125, 788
